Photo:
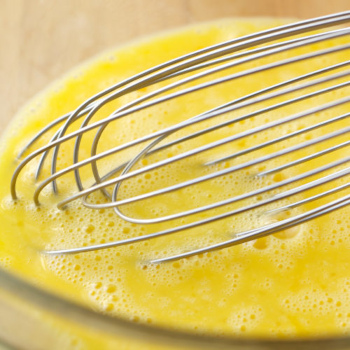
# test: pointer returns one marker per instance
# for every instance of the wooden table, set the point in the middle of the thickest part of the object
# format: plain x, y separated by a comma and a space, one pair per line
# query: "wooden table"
41, 39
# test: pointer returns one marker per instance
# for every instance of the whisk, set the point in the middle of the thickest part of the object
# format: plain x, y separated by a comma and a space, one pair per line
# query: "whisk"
188, 69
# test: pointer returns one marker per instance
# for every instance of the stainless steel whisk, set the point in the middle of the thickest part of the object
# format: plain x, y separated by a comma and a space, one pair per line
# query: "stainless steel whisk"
203, 63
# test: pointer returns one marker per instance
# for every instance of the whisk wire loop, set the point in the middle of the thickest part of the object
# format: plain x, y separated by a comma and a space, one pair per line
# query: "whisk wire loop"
198, 71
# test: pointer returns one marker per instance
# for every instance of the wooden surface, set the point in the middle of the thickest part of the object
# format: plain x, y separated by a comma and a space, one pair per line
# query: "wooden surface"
41, 39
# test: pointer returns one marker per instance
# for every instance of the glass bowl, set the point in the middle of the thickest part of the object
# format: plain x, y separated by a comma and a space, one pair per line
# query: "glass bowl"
42, 40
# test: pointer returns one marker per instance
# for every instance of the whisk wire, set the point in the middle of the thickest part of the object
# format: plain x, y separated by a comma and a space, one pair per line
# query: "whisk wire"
195, 72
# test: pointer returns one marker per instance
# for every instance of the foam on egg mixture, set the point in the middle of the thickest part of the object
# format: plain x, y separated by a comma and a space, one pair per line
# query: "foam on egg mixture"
293, 283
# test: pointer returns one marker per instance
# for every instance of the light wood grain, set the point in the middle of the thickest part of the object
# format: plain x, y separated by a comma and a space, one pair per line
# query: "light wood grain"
41, 39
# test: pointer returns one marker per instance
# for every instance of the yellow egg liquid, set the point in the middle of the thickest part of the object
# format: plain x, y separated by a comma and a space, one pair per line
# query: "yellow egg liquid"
295, 283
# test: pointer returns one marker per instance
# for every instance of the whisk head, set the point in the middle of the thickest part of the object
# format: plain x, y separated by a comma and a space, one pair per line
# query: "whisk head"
221, 138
